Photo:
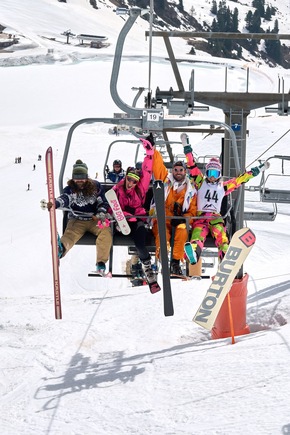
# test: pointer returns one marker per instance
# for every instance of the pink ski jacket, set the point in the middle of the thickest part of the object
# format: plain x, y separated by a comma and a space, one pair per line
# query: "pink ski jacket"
132, 201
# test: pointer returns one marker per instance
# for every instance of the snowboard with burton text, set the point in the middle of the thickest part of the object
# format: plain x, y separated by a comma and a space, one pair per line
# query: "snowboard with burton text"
239, 248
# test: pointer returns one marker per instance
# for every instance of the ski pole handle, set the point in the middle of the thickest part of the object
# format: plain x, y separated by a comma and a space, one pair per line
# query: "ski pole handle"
43, 204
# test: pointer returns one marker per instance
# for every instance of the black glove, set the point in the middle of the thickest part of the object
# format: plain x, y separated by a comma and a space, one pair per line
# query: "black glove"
176, 222
187, 149
150, 138
129, 209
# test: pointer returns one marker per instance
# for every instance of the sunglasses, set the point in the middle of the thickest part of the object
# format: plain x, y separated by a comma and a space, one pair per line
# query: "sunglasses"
132, 180
178, 170
213, 173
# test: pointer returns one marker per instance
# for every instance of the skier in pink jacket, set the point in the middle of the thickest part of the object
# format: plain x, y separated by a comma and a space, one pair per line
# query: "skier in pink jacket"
131, 193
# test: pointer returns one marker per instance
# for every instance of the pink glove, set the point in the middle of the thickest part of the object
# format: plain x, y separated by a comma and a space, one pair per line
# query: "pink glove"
103, 224
148, 147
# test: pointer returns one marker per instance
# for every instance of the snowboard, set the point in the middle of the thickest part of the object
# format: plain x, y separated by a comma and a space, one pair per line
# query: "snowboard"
118, 212
239, 248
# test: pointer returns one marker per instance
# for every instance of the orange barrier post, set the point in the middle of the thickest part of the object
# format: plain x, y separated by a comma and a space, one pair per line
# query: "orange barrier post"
231, 318
222, 325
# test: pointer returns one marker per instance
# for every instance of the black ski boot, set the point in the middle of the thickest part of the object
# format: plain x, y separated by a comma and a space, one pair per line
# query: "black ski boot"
137, 275
175, 268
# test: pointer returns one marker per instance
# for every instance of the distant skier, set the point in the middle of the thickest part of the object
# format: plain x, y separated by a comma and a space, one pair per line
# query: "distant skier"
117, 174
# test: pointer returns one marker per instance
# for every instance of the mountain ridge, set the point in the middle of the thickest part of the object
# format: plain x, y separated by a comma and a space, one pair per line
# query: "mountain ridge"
80, 16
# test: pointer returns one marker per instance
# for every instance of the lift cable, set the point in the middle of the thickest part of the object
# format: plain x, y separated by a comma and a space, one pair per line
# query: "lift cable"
284, 134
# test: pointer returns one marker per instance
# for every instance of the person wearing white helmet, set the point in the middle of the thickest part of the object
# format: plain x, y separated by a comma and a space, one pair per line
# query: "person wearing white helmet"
210, 192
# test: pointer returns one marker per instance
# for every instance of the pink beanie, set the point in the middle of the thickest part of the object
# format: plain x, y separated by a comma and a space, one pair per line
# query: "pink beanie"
214, 163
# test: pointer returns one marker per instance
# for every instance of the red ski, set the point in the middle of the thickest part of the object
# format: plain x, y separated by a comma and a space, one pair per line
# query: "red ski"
53, 231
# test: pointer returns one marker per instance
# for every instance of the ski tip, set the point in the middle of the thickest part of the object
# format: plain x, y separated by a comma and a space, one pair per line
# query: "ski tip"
154, 288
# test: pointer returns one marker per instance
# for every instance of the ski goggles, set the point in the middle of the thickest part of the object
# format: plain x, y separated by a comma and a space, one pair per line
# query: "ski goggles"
213, 173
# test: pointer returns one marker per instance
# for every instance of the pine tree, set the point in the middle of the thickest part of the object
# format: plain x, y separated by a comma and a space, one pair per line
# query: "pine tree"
273, 48
260, 6
214, 7
180, 6
268, 14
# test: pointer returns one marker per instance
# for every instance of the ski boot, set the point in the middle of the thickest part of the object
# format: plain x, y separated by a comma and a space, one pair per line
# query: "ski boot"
175, 268
151, 276
101, 268
137, 275
190, 254
60, 247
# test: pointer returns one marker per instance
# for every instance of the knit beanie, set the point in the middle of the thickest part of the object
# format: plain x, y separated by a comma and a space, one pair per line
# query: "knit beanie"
214, 163
80, 170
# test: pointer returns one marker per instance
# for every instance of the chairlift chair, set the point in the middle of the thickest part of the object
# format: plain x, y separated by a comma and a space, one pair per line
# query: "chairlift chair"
126, 241
269, 194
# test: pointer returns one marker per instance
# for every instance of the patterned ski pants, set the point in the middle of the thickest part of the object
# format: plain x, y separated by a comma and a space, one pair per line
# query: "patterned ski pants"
216, 227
